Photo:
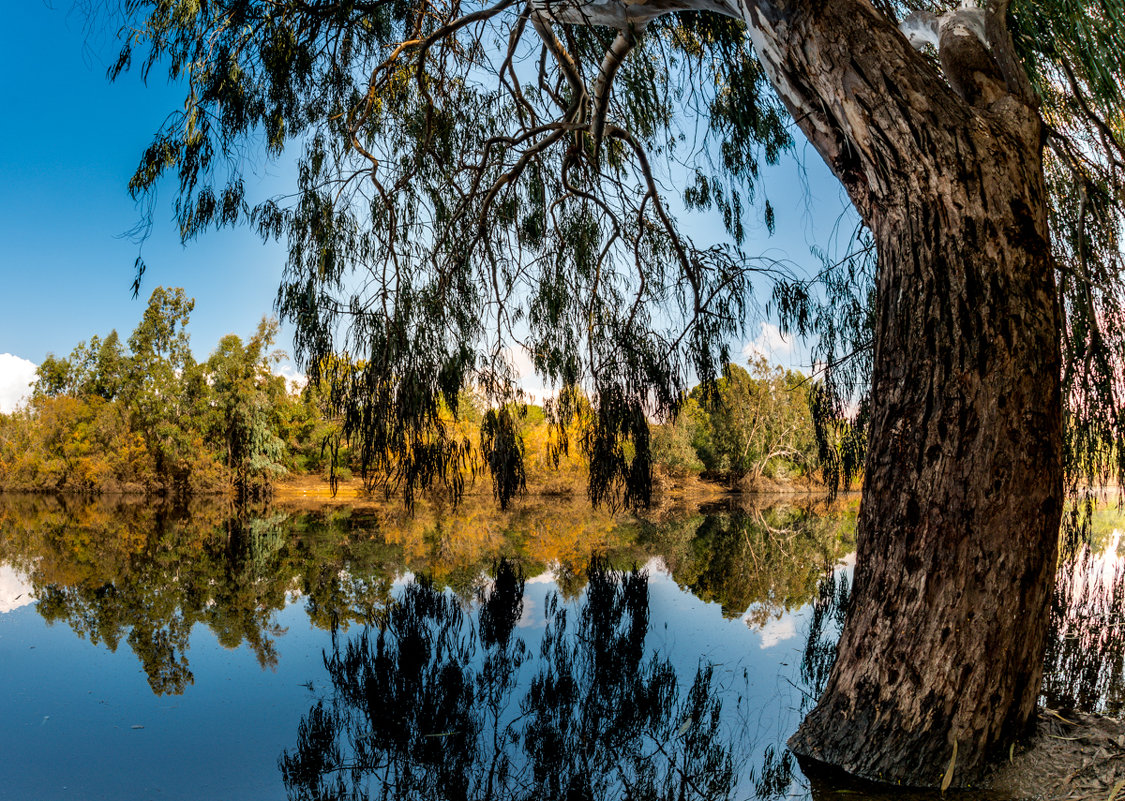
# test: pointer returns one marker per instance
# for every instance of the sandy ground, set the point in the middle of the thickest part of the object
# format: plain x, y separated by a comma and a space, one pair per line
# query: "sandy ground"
312, 492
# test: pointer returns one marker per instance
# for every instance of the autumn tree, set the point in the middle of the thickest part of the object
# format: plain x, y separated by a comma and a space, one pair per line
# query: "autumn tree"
73, 436
476, 177
150, 418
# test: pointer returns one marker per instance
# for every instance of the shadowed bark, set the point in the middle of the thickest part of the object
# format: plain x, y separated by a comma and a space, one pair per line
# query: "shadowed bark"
940, 662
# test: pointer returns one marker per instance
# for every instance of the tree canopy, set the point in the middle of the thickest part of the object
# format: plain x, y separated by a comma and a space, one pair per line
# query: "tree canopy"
475, 177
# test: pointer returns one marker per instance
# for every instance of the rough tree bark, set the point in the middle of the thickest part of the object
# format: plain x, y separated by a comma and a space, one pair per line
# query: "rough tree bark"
940, 661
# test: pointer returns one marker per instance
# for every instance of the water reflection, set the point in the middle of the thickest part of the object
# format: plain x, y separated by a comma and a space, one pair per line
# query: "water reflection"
450, 676
1085, 662
778, 773
760, 563
429, 705
147, 574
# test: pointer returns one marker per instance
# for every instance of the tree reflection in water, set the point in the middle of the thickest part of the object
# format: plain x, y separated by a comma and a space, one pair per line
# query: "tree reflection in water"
430, 705
146, 574
775, 778
1085, 662
585, 712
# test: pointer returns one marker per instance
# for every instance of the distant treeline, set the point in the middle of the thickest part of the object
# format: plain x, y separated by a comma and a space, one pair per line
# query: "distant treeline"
143, 416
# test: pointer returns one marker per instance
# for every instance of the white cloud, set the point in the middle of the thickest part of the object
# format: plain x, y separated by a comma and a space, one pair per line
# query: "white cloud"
524, 369
294, 378
16, 375
770, 344
528, 618
546, 577
777, 630
14, 590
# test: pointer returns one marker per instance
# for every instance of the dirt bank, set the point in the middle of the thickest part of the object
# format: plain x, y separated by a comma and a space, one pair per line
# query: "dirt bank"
1072, 756
311, 491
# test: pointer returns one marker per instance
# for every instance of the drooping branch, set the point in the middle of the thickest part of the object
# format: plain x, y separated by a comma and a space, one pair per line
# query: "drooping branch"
621, 14
630, 20
440, 188
566, 64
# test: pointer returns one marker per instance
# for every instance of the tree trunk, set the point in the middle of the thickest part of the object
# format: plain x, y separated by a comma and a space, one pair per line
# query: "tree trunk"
940, 661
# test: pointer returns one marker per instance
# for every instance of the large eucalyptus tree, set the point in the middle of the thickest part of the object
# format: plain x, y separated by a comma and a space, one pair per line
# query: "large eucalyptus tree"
479, 175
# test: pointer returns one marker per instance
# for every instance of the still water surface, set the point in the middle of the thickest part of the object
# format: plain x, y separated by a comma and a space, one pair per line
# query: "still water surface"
212, 653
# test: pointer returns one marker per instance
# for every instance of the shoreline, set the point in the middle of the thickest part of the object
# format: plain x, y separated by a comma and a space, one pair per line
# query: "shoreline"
298, 491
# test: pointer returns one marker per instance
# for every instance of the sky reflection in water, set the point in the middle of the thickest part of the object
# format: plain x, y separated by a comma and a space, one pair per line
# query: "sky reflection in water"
198, 659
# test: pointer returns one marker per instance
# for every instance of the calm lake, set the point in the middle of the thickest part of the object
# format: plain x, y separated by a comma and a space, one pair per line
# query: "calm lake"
150, 652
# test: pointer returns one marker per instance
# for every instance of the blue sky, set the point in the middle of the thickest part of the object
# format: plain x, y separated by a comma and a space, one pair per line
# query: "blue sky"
68, 143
